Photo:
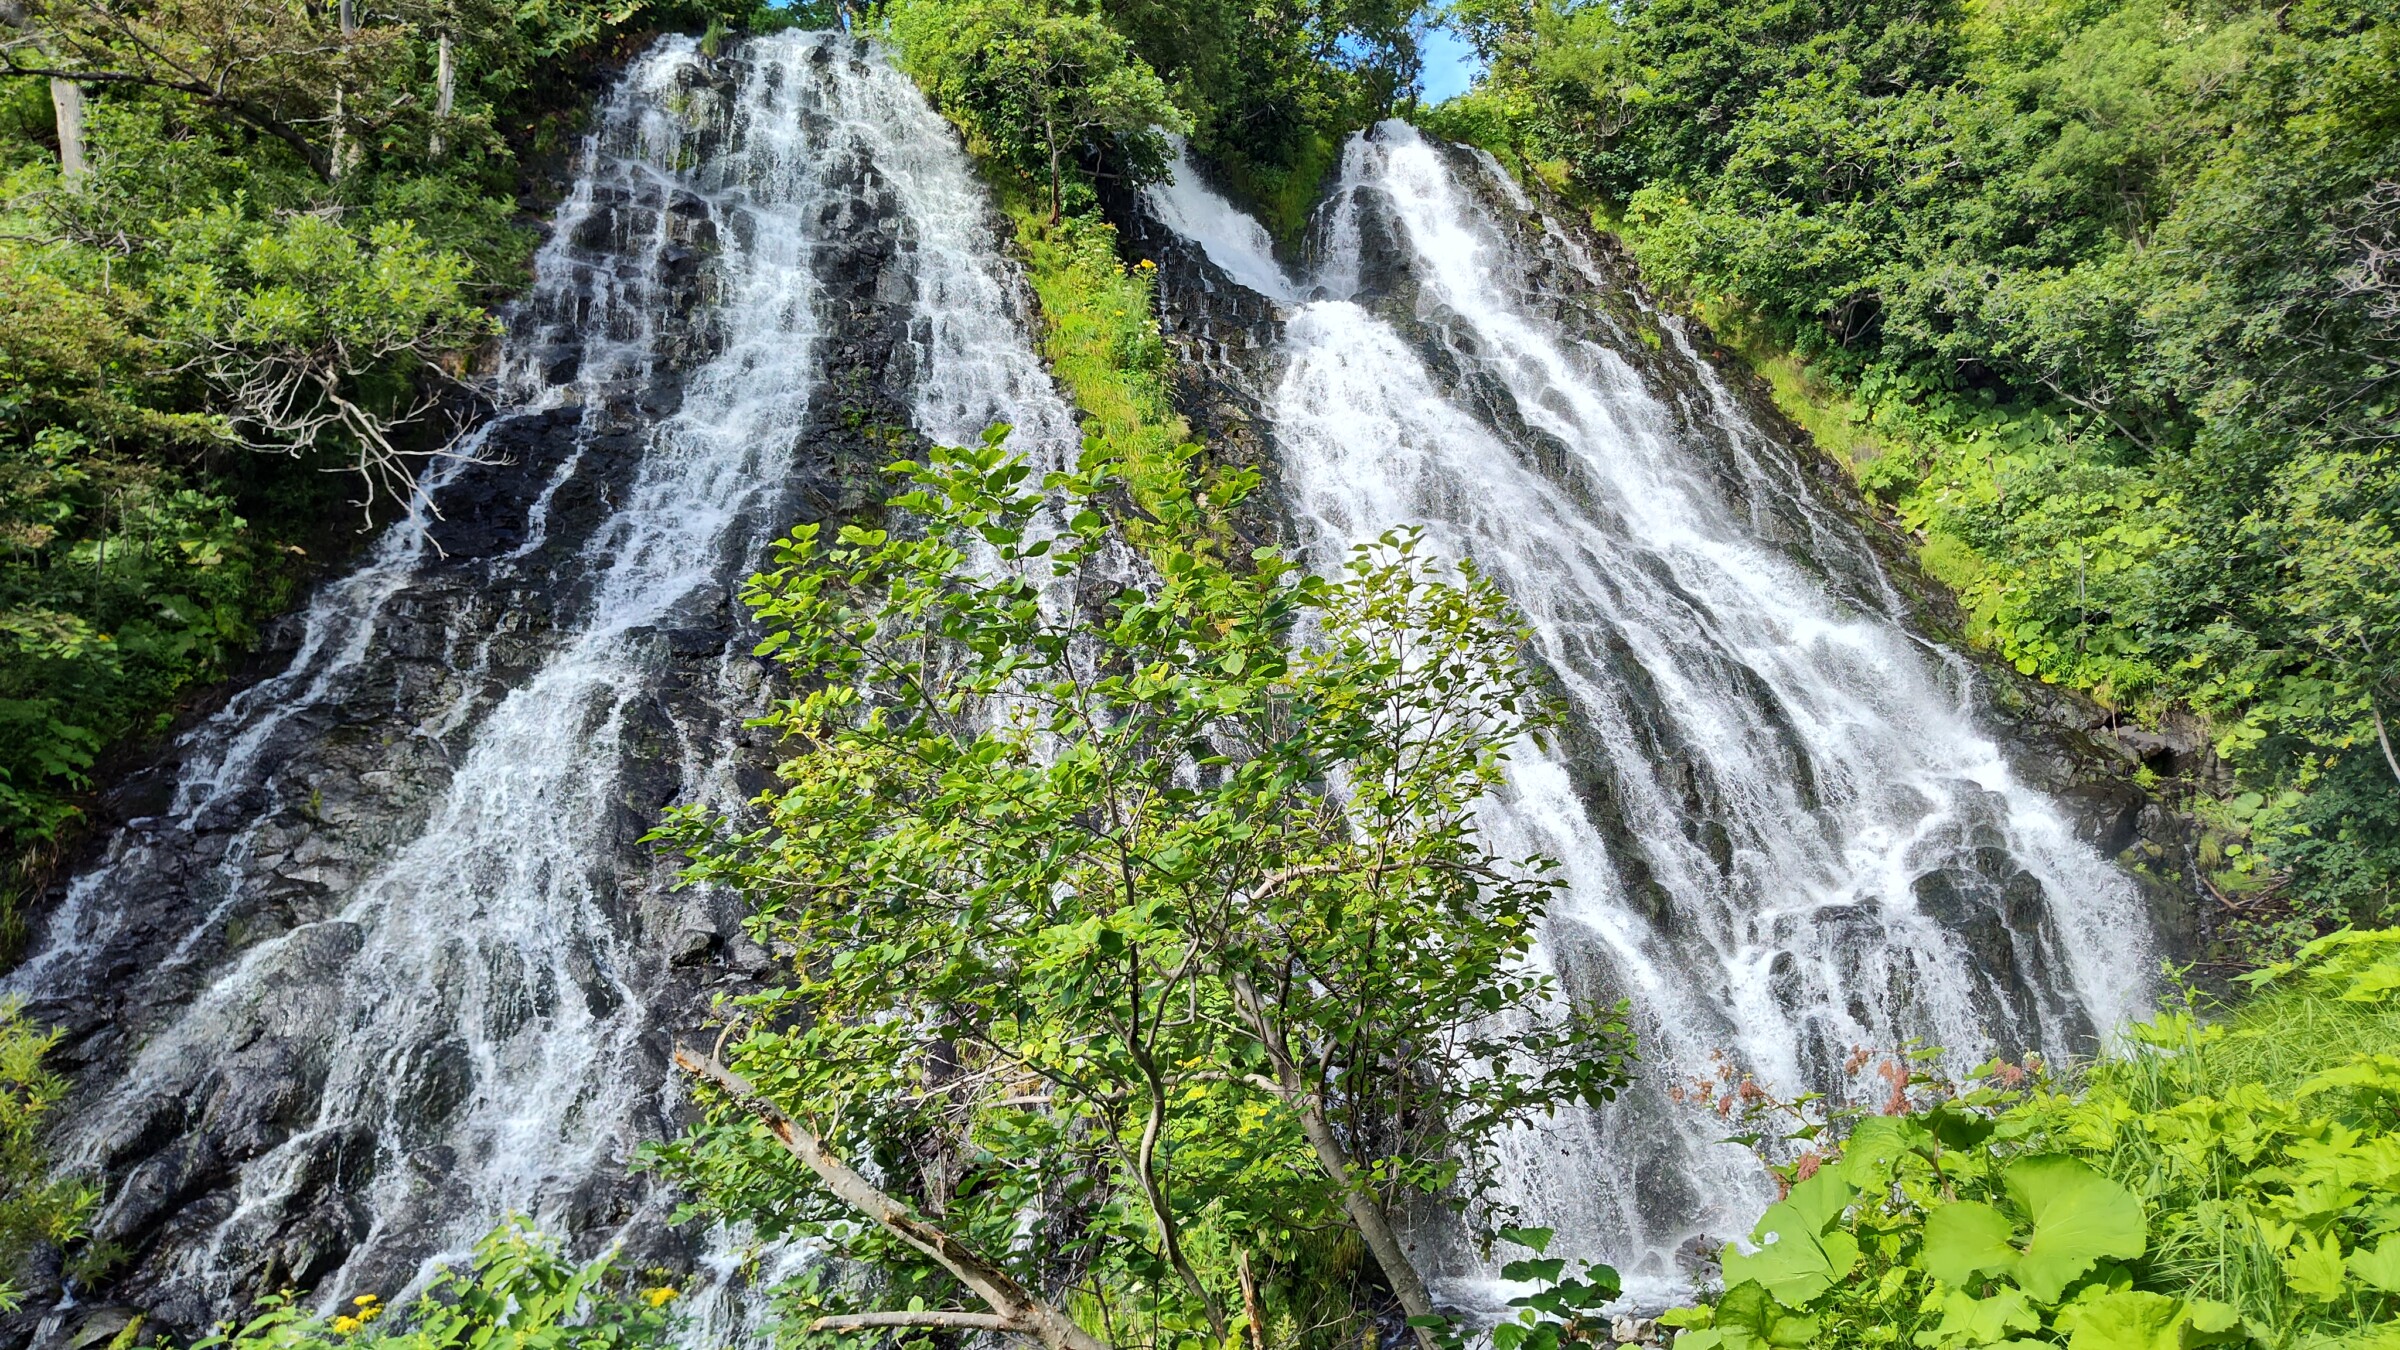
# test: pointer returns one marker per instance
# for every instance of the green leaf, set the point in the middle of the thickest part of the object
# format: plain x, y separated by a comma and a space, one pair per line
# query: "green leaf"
1971, 1321
2380, 1268
2313, 1267
1820, 1200
1967, 1239
1796, 1260
2135, 1319
1872, 1152
1536, 1238
1750, 1318
2079, 1217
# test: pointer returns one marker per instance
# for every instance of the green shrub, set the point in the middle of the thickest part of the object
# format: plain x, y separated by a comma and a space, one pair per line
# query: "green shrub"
521, 1293
2235, 1182
37, 1210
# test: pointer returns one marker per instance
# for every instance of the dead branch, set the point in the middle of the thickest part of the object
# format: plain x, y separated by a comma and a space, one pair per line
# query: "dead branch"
957, 1321
1011, 1303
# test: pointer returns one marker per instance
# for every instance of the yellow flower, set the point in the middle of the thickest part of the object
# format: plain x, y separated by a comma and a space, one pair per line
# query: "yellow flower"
343, 1326
661, 1296
364, 1301
1147, 265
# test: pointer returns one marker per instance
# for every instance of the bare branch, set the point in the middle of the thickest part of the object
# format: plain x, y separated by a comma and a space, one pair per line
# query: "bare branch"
1010, 1301
956, 1321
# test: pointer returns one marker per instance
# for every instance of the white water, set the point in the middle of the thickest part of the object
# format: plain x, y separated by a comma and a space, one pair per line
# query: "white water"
1783, 758
496, 924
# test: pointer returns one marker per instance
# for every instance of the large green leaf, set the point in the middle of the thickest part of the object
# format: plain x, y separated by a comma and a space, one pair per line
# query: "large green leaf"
1968, 1239
2313, 1267
2134, 1319
1819, 1201
1971, 1321
2079, 1217
1796, 1259
1749, 1318
2379, 1268
1871, 1155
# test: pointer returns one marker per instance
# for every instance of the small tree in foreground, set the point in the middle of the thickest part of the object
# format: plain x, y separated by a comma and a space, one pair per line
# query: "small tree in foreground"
1129, 933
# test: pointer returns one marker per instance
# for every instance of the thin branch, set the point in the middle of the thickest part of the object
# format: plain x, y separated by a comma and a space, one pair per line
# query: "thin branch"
957, 1321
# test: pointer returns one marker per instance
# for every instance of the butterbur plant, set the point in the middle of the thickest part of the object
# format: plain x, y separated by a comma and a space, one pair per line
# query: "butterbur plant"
2226, 1184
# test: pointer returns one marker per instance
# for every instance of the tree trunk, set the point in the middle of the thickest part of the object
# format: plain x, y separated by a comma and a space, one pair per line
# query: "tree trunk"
1015, 1308
1366, 1214
66, 99
2383, 738
1153, 1191
1250, 1309
1050, 134
344, 150
340, 159
1364, 1210
445, 91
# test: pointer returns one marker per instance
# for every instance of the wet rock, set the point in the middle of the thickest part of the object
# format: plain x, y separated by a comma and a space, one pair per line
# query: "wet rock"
439, 1078
155, 1188
99, 1326
1698, 1259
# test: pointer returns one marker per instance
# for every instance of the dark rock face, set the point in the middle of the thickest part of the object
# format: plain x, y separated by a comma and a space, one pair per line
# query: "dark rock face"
268, 854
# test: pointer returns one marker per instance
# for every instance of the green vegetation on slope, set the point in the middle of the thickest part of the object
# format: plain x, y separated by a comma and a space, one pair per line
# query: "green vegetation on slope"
2099, 296
38, 1211
519, 1293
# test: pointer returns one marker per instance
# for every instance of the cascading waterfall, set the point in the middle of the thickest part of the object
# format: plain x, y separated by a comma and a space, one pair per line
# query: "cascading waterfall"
388, 960
1783, 832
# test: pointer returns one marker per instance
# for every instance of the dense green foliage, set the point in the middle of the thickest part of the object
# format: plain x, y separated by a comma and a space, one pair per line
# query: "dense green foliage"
1077, 930
280, 235
37, 1210
1101, 339
2233, 1183
520, 1293
2099, 296
1043, 90
1272, 86
1266, 88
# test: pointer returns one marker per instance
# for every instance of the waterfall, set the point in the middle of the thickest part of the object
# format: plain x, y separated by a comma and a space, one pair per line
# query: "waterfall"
385, 959
1784, 832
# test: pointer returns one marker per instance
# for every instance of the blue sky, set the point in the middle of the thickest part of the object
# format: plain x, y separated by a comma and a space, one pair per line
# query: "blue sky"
1450, 65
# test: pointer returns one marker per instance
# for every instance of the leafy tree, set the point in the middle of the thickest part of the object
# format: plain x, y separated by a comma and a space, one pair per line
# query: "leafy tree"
274, 67
295, 323
1128, 930
1048, 90
1273, 86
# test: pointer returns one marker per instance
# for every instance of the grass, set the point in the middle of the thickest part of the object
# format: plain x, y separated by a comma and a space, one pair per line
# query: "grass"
1101, 337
